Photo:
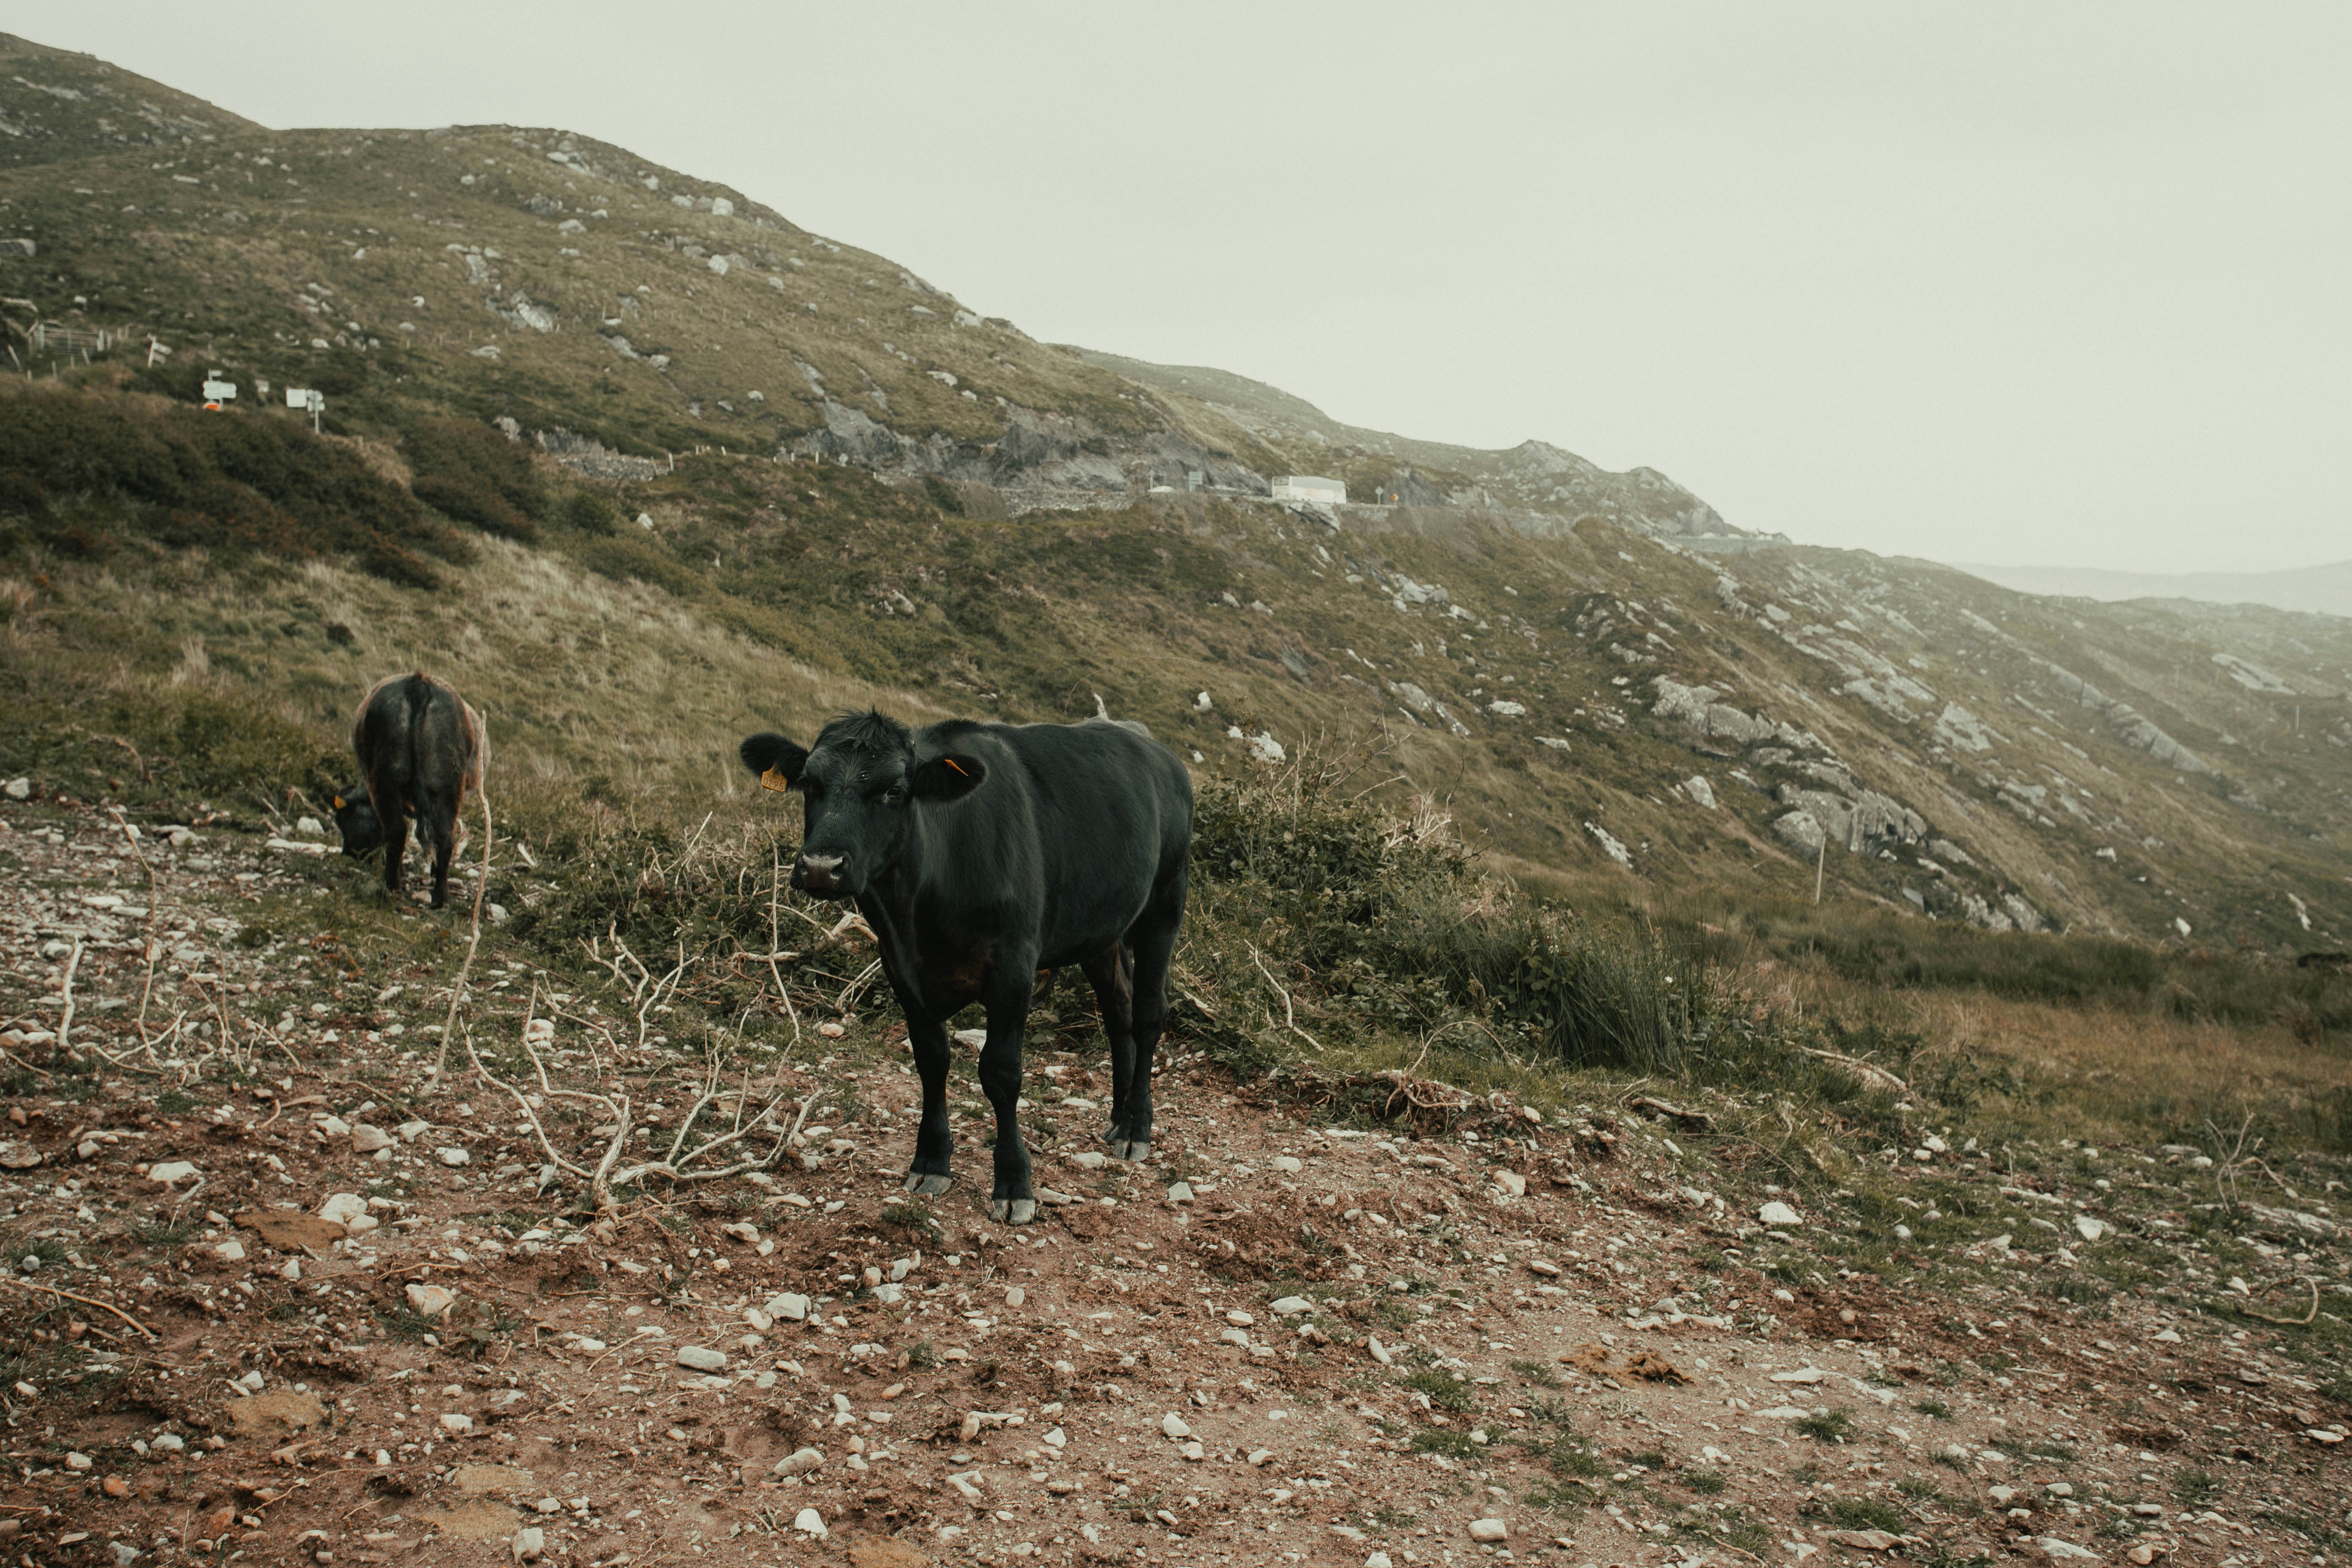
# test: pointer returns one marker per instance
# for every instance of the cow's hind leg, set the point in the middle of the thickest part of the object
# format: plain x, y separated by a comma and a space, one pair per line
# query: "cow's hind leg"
436, 825
394, 822
1011, 1201
928, 1173
1151, 947
1113, 974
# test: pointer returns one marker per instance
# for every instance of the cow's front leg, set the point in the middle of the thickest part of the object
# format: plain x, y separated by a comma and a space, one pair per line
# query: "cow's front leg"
930, 1171
1011, 1201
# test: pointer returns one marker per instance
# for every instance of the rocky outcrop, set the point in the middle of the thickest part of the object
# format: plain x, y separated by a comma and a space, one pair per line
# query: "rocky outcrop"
2130, 725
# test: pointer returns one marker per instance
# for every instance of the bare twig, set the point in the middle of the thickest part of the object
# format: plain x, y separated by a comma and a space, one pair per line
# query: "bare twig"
85, 1300
481, 889
1289, 1017
2308, 1318
65, 1014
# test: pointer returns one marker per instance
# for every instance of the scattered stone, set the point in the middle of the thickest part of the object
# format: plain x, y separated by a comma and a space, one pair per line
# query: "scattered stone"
808, 1522
1017, 1297
790, 1307
530, 1544
21, 1156
1289, 1165
2062, 1550
456, 1422
1863, 1540
1291, 1306
78, 1462
800, 1461
1511, 1182
2091, 1229
1180, 1193
343, 1207
1379, 1352
1490, 1531
230, 1251
1173, 1425
367, 1140
281, 1413
171, 1171
701, 1359
410, 1132
1778, 1213
430, 1300
452, 1157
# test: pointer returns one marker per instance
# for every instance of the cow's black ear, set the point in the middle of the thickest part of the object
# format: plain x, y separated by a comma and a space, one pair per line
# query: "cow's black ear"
947, 778
776, 760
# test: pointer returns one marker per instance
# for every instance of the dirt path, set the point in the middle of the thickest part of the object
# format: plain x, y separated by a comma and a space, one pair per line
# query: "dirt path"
1279, 1343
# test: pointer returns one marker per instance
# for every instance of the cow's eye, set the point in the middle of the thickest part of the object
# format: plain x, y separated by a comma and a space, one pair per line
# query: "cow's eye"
895, 795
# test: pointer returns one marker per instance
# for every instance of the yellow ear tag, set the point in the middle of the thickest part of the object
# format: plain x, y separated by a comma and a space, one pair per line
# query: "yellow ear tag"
956, 766
774, 779
339, 803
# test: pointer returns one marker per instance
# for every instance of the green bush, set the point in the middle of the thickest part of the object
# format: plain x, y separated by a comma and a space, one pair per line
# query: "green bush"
476, 474
244, 481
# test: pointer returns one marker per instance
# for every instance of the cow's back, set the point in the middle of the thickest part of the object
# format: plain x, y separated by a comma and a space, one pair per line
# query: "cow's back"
1102, 813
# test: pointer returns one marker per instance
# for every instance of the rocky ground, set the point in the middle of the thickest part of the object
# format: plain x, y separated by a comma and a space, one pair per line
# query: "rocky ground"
270, 1294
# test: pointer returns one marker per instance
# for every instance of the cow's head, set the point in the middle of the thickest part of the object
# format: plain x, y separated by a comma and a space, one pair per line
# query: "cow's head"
356, 820
859, 785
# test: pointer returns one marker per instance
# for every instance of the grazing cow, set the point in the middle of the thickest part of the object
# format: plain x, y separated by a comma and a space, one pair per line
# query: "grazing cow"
421, 751
981, 854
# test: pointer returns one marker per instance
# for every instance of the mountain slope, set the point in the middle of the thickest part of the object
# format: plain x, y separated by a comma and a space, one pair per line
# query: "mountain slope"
57, 105
1545, 645
2322, 590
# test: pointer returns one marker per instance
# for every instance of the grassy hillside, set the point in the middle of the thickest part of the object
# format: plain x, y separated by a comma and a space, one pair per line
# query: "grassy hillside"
545, 474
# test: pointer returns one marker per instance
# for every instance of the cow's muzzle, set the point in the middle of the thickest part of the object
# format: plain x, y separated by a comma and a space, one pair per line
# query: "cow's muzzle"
818, 873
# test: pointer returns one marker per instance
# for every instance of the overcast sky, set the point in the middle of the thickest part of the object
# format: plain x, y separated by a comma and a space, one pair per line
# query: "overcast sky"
1982, 281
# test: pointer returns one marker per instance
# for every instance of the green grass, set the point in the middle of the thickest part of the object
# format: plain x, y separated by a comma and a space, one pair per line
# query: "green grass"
1837, 1426
1446, 1391
1442, 1440
1536, 1372
1935, 1408
1865, 1513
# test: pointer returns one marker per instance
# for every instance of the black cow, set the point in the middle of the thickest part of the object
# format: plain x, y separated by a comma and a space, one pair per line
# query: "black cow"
421, 751
981, 854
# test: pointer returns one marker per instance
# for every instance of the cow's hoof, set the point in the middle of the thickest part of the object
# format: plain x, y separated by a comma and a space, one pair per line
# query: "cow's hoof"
928, 1186
1133, 1150
1013, 1211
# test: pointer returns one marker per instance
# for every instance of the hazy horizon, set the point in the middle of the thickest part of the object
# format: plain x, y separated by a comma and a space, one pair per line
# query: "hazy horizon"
1988, 282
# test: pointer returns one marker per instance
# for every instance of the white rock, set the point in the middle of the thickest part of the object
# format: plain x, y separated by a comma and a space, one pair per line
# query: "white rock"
1288, 1165
452, 1157
430, 1300
367, 1140
360, 1225
1016, 1297
2089, 1229
410, 1132
456, 1421
20, 789
1489, 1530
1778, 1213
791, 1307
1180, 1193
334, 1127
2062, 1550
1290, 1306
1173, 1425
293, 1269
171, 1171
808, 1522
701, 1359
1377, 1559
1089, 1159
800, 1461
1261, 1457
343, 1207
1379, 1352
230, 1252
1512, 1182
530, 1542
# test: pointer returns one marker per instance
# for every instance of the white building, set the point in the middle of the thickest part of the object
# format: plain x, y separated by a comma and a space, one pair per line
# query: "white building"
1308, 487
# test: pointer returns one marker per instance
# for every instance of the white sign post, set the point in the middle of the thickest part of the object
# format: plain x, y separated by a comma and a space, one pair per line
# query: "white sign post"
216, 391
304, 397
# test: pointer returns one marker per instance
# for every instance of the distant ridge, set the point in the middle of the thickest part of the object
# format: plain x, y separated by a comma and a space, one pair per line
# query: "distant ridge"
2317, 590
